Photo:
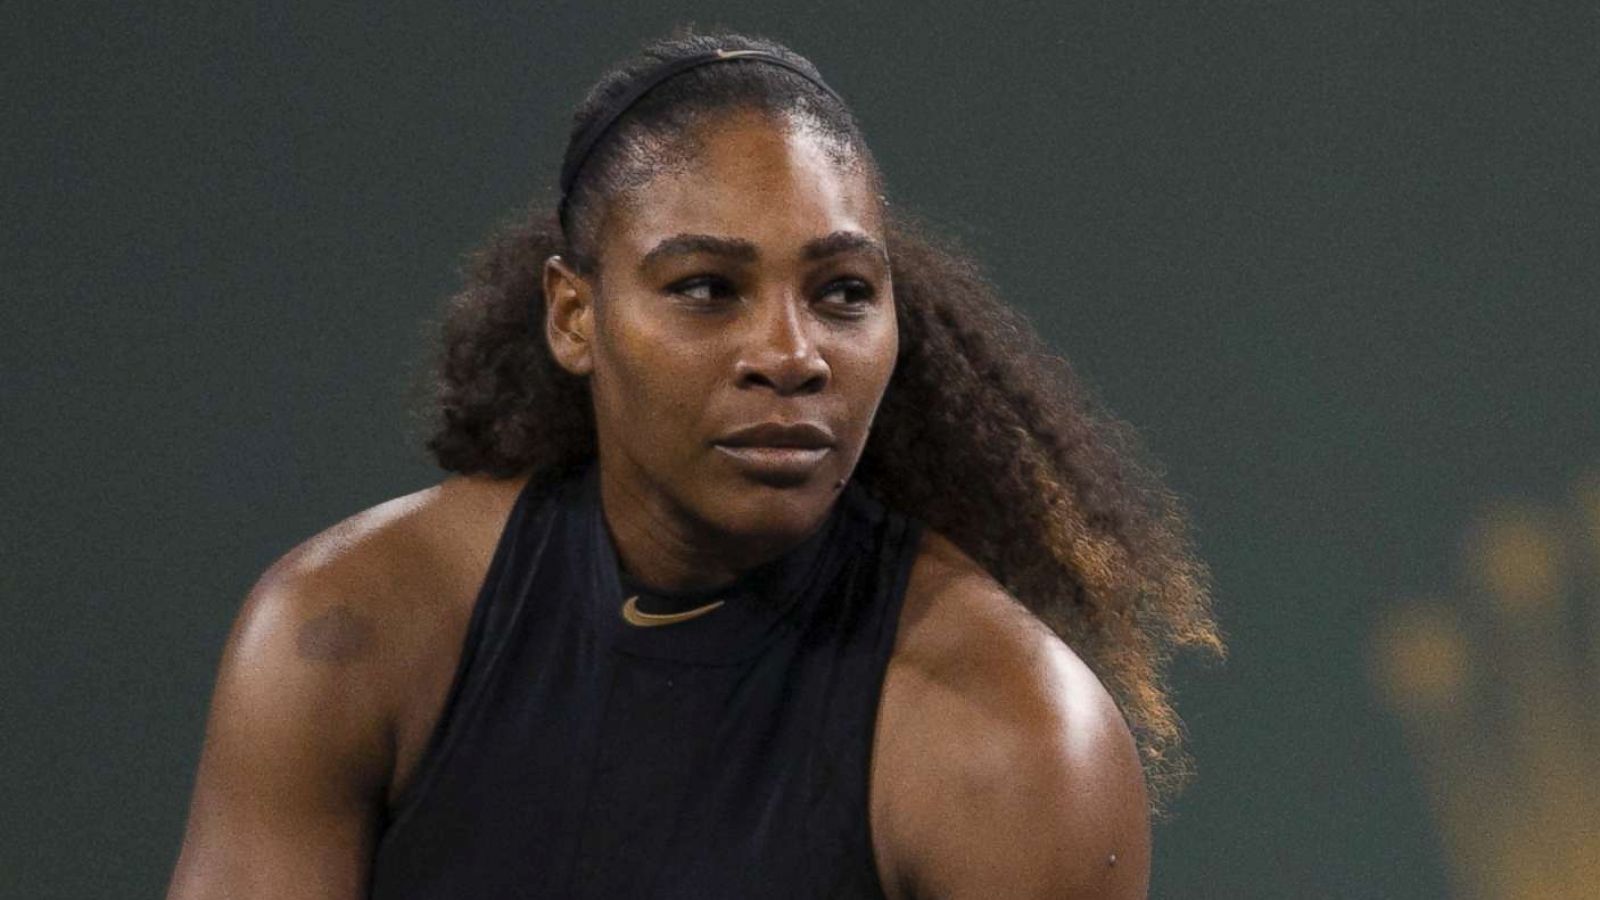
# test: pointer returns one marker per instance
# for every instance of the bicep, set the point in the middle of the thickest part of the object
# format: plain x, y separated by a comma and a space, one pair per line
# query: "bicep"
289, 785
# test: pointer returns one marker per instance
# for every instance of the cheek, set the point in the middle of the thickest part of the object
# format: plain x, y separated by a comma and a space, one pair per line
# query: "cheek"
648, 383
890, 351
870, 357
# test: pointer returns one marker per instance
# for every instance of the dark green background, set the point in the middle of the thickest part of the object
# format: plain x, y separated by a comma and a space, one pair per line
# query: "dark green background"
1337, 260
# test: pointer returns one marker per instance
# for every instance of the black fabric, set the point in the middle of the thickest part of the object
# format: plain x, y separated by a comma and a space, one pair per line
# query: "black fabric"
723, 756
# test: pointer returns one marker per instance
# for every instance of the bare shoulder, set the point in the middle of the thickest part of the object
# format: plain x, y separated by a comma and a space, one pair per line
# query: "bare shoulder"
1002, 766
362, 592
385, 595
380, 553
307, 717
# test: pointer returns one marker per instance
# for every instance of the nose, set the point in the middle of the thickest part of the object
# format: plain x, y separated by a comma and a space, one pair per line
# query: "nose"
781, 353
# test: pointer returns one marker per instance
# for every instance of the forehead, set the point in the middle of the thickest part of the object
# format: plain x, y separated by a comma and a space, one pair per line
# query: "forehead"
772, 181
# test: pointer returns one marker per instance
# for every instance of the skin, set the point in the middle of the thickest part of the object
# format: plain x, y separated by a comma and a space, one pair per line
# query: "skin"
709, 315
1001, 768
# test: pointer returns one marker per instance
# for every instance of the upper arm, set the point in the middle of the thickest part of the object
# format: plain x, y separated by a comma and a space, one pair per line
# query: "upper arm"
296, 753
1017, 777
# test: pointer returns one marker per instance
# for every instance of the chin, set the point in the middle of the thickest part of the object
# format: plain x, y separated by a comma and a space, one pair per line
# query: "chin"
778, 513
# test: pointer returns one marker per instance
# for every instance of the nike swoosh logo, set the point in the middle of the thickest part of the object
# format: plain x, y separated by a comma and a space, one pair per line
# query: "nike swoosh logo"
634, 616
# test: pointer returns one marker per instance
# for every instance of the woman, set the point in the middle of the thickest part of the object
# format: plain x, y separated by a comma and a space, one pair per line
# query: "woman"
763, 504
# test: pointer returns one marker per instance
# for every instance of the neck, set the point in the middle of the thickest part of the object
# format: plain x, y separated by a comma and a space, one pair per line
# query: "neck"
662, 546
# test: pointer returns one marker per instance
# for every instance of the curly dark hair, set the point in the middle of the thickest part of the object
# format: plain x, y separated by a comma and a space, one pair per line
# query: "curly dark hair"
1054, 499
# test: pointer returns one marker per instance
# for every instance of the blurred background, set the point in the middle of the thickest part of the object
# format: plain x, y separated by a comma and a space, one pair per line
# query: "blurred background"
1338, 262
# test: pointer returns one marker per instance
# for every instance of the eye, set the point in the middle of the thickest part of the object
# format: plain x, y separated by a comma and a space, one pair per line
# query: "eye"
704, 289
850, 291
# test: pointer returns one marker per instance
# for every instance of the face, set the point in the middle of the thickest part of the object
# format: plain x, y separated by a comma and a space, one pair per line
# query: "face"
748, 286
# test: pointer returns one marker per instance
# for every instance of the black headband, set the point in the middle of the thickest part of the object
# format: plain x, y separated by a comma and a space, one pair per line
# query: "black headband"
584, 144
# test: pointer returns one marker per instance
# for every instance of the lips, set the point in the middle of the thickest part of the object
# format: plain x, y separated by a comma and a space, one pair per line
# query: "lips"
777, 466
796, 435
778, 454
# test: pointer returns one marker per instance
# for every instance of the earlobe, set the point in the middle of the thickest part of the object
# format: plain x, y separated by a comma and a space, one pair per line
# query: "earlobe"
569, 317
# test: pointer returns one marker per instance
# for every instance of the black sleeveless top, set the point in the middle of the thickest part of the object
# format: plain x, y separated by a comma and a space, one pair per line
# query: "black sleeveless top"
725, 755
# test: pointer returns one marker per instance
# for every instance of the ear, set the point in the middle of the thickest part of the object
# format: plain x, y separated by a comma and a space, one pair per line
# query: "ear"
569, 316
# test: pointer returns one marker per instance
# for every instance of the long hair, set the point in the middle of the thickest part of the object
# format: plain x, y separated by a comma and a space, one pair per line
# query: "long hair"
983, 433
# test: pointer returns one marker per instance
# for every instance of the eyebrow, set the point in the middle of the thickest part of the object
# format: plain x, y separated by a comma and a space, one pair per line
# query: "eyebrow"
745, 251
